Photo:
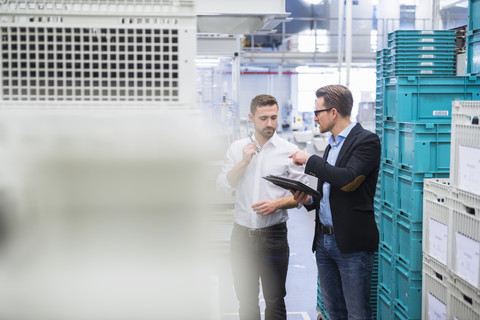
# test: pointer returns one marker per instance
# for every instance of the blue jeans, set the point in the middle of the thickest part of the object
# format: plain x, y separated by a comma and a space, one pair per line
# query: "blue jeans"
260, 255
344, 280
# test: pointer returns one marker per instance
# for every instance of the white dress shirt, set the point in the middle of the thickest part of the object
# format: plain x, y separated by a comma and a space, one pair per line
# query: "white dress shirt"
252, 188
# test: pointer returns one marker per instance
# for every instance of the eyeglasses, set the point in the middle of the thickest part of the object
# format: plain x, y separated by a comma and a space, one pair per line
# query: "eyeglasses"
317, 112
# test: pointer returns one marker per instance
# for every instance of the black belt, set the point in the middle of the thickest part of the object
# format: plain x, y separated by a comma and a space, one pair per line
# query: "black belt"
257, 232
325, 229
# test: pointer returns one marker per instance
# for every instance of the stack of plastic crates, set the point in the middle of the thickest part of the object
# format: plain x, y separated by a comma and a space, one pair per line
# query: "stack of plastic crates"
473, 38
417, 94
421, 52
451, 240
416, 145
382, 57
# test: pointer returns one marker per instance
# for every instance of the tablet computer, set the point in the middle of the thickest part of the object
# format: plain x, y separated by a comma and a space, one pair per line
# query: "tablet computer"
292, 184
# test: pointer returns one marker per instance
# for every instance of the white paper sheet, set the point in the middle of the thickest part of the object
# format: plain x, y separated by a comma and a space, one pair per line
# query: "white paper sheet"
468, 258
468, 169
438, 240
437, 310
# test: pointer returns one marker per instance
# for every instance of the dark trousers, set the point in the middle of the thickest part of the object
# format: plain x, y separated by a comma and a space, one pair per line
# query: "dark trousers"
260, 254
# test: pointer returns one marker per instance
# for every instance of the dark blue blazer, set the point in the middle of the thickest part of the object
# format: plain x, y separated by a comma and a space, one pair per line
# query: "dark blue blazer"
352, 180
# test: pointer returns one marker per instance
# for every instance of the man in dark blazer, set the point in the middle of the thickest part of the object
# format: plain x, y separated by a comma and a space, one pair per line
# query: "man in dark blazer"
346, 235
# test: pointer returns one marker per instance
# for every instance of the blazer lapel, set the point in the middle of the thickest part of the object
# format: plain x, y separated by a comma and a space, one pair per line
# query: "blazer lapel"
348, 142
325, 156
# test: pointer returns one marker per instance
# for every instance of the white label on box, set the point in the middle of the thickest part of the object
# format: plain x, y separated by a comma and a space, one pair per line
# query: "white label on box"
437, 310
468, 169
468, 258
438, 240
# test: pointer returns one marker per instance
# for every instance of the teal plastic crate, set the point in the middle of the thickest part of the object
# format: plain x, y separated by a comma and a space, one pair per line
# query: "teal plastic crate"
407, 248
389, 142
473, 53
379, 83
414, 44
378, 131
416, 64
389, 181
384, 307
408, 292
423, 56
421, 33
474, 16
378, 194
398, 313
374, 287
426, 99
377, 201
409, 192
386, 264
444, 41
386, 230
320, 304
424, 147
421, 72
424, 38
421, 48
426, 50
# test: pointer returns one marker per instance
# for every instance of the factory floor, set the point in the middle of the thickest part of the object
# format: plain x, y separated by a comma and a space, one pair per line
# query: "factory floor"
301, 296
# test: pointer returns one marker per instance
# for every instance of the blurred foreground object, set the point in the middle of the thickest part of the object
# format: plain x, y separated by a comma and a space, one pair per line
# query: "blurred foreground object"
102, 213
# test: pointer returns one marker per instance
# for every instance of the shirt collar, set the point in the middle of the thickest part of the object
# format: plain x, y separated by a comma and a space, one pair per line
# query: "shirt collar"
342, 135
275, 140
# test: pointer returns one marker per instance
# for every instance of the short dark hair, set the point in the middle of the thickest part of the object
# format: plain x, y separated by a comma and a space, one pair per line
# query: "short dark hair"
262, 100
338, 97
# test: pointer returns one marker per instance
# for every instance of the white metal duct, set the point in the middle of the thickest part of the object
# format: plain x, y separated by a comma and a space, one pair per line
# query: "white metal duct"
119, 50
239, 17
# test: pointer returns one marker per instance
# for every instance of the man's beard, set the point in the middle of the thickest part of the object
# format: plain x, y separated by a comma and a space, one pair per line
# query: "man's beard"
267, 135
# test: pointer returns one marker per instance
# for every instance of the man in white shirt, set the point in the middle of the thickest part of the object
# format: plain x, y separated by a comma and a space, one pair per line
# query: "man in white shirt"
259, 244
